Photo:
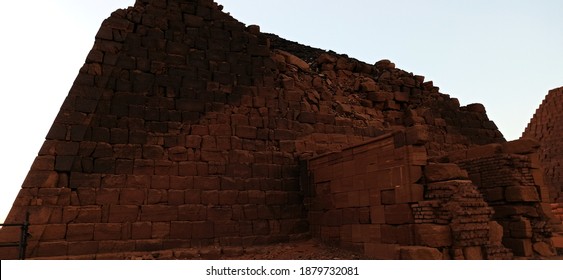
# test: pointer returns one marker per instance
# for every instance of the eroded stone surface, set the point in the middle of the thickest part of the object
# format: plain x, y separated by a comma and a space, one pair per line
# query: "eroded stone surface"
187, 129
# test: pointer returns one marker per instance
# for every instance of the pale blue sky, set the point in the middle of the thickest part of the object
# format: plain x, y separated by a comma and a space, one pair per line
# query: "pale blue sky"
504, 54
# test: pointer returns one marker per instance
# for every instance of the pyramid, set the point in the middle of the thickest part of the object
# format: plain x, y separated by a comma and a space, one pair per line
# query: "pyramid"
546, 126
186, 128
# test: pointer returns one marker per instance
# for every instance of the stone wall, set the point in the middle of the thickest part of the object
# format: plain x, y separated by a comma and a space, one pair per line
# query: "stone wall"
185, 128
357, 192
511, 180
383, 199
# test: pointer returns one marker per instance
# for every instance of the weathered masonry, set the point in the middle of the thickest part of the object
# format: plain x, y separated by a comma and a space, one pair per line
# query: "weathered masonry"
187, 129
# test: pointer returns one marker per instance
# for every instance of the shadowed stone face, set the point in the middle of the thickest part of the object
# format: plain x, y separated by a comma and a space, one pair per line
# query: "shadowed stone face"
185, 128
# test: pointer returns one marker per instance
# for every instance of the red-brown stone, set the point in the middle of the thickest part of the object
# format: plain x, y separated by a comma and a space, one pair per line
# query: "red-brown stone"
187, 128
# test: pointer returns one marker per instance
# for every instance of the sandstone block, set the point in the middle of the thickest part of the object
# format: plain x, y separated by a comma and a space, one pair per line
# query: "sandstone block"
521, 229
219, 213
148, 245
111, 185
193, 141
520, 247
80, 214
220, 130
401, 97
82, 248
432, 235
284, 134
294, 60
473, 253
385, 64
476, 107
521, 146
63, 163
239, 170
41, 179
80, 232
443, 171
202, 230
228, 197
176, 197
187, 168
493, 194
276, 198
377, 214
248, 132
382, 251
192, 212
226, 228
398, 214
132, 196
326, 58
544, 249
343, 63
178, 154
388, 197
521, 194
402, 235
369, 86
419, 253
43, 163
123, 213
180, 230
115, 246
484, 151
107, 231
141, 230
56, 248
366, 233
417, 155
307, 117
210, 197
350, 216
207, 183
213, 156
181, 182
160, 230
67, 148
415, 173
495, 233
363, 213
409, 193
158, 213
51, 232
143, 166
512, 210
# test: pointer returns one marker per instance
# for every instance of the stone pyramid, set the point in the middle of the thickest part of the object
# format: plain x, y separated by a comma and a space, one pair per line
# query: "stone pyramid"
546, 127
186, 128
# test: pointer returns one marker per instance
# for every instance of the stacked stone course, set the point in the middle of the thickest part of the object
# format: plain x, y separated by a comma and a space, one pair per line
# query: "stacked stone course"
510, 178
384, 199
187, 129
359, 198
545, 127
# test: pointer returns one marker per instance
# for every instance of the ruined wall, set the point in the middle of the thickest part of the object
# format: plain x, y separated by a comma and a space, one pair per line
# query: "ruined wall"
383, 199
185, 128
510, 178
356, 192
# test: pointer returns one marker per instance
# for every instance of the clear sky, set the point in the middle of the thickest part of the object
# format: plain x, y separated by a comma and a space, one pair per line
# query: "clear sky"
503, 54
